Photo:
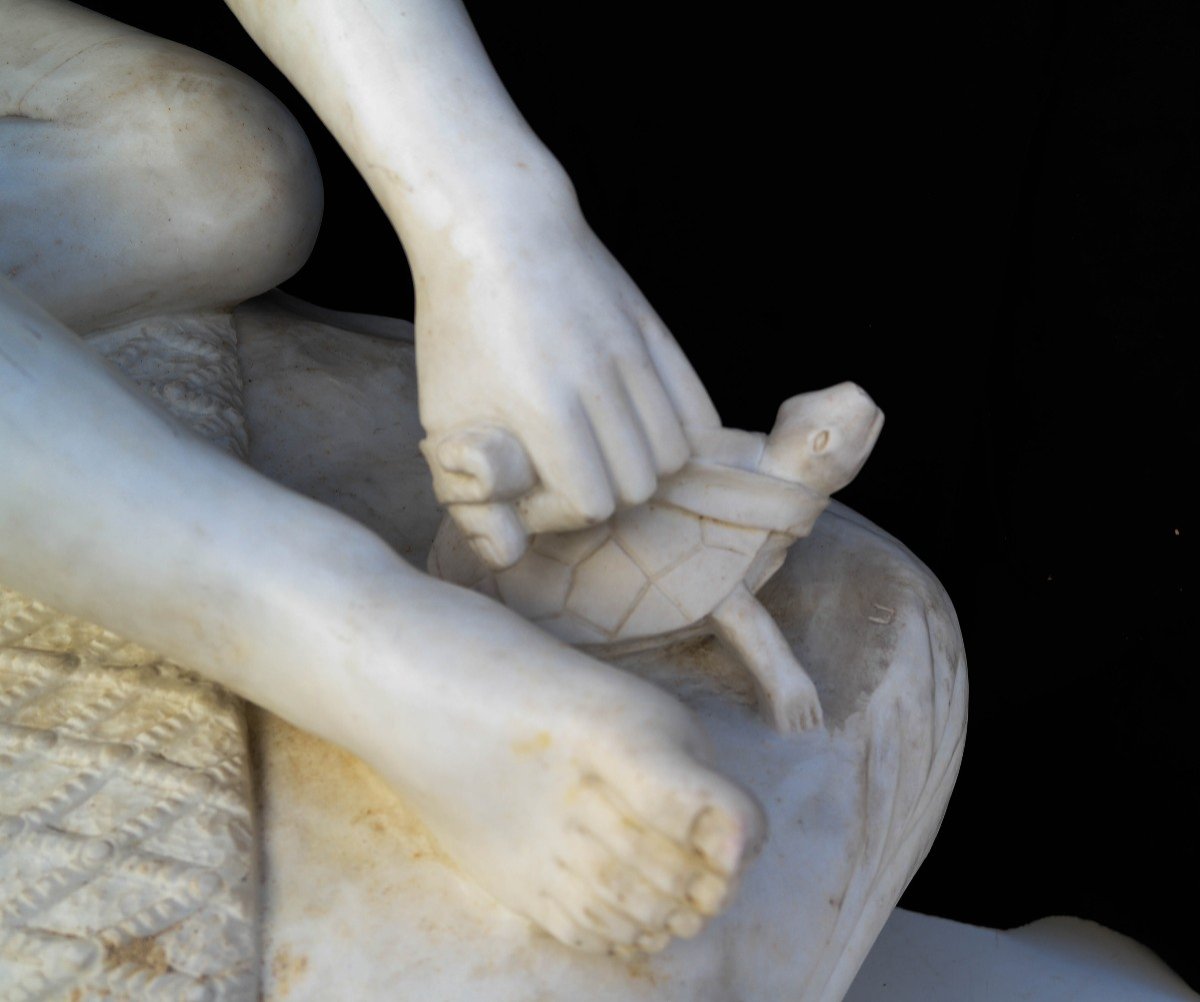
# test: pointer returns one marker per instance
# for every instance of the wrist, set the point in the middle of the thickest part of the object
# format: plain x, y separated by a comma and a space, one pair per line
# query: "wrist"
464, 215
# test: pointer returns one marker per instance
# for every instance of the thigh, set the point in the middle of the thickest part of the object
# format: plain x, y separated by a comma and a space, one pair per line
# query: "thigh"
140, 176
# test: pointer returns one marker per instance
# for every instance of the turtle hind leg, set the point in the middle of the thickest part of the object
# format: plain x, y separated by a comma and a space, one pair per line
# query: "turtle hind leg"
787, 697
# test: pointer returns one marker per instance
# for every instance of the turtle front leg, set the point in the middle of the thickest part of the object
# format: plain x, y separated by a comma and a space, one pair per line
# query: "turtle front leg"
787, 696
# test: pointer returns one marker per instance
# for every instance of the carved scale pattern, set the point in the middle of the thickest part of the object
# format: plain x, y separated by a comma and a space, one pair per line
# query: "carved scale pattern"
127, 851
190, 365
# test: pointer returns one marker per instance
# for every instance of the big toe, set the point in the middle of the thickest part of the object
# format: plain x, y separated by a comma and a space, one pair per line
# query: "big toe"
699, 810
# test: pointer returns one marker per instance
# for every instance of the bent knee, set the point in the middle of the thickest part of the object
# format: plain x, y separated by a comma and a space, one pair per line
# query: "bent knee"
176, 181
237, 172
235, 186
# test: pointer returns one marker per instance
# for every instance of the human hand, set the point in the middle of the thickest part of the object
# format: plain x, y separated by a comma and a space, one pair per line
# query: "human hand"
551, 393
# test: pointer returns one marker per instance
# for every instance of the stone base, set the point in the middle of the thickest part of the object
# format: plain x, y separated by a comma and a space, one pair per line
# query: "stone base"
918, 958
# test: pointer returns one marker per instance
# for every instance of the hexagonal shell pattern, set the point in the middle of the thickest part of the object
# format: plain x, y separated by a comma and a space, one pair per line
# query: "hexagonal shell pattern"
607, 585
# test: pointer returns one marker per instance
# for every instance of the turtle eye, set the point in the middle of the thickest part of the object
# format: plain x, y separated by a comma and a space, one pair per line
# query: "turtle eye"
821, 442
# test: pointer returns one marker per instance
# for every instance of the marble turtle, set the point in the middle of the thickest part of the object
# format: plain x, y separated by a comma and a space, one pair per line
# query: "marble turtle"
690, 560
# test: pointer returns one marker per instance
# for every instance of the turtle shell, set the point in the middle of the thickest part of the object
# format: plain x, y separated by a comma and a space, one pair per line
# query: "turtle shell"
657, 568
649, 570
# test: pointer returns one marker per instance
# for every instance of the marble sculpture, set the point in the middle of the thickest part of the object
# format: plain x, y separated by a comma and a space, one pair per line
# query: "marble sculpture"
691, 558
577, 811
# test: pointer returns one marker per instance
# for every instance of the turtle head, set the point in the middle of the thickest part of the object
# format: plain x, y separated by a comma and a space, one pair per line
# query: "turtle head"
821, 439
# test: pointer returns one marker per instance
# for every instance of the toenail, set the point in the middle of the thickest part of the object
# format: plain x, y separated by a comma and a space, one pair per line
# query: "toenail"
706, 892
713, 837
685, 923
653, 942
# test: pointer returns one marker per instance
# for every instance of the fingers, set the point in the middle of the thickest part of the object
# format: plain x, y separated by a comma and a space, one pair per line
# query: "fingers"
628, 430
632, 469
495, 532
688, 396
479, 464
604, 449
658, 419
475, 470
576, 490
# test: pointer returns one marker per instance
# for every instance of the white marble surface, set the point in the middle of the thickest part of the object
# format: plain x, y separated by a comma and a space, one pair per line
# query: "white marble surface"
111, 500
128, 859
689, 561
919, 958
530, 333
360, 903
140, 177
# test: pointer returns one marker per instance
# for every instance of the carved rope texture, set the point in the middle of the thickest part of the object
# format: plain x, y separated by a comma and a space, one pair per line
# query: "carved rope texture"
127, 849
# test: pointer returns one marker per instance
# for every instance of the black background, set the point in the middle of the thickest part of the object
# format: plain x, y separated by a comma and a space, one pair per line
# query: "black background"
986, 214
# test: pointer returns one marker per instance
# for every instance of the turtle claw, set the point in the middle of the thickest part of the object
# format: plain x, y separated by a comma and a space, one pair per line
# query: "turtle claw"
794, 711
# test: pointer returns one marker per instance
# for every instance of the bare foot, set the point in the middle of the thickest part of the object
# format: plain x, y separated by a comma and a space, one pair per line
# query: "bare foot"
576, 794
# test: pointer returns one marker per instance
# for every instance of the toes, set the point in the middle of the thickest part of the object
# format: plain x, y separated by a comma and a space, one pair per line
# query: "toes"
707, 893
788, 718
665, 865
684, 923
795, 713
627, 890
815, 717
611, 924
624, 887
556, 919
653, 942
580, 897
648, 942
697, 810
719, 839
685, 851
695, 876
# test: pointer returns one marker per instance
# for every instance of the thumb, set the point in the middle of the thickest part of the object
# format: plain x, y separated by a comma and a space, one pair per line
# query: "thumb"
494, 531
476, 465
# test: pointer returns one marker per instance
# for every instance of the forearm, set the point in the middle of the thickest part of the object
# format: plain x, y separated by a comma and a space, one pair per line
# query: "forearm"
526, 327
407, 89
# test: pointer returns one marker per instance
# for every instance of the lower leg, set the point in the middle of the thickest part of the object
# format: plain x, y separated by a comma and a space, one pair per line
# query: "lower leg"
576, 793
